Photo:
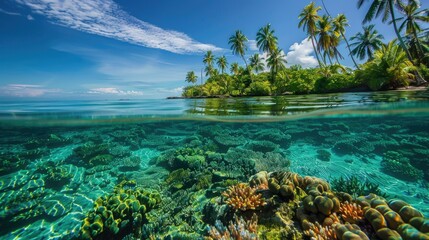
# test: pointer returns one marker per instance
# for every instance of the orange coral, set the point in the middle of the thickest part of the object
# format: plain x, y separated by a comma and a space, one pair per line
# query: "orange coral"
351, 212
318, 232
243, 197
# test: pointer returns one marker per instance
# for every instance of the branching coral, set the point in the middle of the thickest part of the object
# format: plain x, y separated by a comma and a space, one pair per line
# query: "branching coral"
318, 232
351, 212
238, 230
243, 197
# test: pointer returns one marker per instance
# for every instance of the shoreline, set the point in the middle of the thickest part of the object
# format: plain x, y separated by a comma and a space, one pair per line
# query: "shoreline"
401, 89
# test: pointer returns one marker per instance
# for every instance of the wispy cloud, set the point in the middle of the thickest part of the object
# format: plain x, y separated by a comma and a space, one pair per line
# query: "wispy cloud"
9, 13
132, 69
26, 90
115, 91
106, 18
252, 45
300, 53
30, 18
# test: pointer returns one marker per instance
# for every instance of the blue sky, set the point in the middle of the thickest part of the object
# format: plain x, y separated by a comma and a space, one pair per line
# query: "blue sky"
104, 49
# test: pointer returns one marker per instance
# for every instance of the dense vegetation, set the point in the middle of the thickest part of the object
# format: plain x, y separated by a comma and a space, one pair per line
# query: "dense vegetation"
389, 65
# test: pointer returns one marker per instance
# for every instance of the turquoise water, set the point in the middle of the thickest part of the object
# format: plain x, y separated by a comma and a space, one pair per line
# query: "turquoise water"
58, 158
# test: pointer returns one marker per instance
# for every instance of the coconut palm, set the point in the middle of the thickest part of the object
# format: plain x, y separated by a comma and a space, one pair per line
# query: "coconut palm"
366, 43
235, 68
276, 61
210, 71
324, 33
208, 60
265, 39
410, 21
389, 68
339, 23
256, 63
191, 77
308, 18
386, 9
238, 46
222, 63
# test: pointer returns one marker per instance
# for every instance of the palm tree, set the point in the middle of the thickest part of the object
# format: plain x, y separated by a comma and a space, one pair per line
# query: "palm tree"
208, 60
235, 68
367, 42
389, 68
210, 71
191, 77
384, 8
238, 44
265, 39
410, 22
256, 63
340, 22
222, 63
324, 31
308, 21
276, 61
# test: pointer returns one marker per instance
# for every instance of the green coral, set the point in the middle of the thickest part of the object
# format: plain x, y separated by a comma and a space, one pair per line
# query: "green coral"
185, 157
355, 187
177, 178
119, 214
397, 165
56, 176
91, 154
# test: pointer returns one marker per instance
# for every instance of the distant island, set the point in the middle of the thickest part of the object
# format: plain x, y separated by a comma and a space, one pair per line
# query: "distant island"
399, 63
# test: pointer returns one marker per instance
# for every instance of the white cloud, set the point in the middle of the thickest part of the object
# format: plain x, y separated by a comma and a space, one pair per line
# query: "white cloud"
9, 13
30, 18
106, 18
115, 91
300, 53
252, 45
26, 90
177, 90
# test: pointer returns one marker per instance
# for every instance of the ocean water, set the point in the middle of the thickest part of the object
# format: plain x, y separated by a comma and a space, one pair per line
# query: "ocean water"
58, 158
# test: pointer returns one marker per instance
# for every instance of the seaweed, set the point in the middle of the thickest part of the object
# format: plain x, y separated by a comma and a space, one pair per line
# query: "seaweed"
355, 187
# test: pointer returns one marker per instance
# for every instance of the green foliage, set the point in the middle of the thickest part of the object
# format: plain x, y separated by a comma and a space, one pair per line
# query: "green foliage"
336, 82
297, 81
192, 91
390, 68
260, 88
355, 187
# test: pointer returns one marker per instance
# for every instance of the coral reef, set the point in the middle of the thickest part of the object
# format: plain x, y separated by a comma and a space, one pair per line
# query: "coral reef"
243, 197
399, 166
119, 214
351, 212
356, 187
239, 229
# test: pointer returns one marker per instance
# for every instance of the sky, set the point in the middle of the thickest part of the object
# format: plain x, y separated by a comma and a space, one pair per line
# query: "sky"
120, 49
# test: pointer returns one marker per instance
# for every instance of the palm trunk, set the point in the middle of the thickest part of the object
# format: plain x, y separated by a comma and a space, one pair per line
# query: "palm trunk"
419, 45
247, 68
350, 51
315, 51
419, 78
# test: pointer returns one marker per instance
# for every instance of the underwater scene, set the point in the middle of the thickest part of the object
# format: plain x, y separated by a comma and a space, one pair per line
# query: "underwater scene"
334, 166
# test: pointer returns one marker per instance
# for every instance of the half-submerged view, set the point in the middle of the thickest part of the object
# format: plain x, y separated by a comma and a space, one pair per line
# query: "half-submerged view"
214, 120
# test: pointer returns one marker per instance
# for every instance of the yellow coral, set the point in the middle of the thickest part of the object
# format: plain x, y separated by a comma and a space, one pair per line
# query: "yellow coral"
243, 197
